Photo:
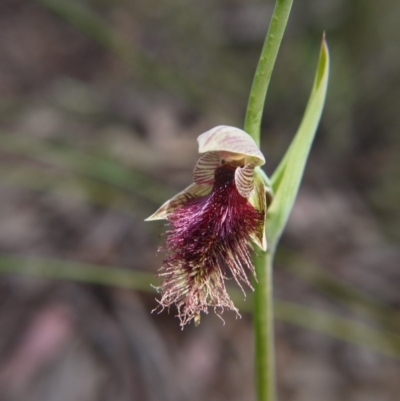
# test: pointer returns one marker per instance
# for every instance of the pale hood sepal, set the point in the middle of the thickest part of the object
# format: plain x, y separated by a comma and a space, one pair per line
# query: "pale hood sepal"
230, 139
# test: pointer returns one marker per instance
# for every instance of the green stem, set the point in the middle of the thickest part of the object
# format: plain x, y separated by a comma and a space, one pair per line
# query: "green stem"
263, 304
265, 66
264, 328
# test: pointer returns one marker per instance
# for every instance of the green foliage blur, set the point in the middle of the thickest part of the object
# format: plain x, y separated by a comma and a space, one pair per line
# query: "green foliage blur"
100, 105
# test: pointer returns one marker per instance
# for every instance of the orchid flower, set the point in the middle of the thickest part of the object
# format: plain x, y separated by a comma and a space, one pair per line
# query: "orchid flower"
212, 224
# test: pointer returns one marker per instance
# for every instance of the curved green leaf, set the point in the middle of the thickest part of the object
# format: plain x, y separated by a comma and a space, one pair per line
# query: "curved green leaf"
287, 177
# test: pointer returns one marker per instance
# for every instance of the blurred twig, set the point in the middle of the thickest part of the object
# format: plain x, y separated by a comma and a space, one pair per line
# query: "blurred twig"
81, 272
147, 68
339, 327
320, 321
98, 168
340, 291
66, 185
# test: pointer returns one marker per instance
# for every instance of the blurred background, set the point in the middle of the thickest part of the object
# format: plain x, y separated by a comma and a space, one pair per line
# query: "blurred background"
100, 105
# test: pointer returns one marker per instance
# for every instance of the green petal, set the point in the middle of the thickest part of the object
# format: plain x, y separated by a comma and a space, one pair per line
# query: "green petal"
192, 191
258, 201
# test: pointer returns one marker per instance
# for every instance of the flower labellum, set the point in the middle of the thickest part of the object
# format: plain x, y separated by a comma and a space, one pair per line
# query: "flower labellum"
212, 224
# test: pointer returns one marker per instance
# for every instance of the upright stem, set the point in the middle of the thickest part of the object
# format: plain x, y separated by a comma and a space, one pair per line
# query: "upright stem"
264, 329
263, 304
264, 69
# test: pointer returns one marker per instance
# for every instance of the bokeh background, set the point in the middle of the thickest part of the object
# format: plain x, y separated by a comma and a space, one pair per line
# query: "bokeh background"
100, 105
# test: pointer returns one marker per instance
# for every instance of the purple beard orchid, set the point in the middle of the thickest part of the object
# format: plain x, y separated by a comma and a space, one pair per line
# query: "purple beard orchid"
212, 224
